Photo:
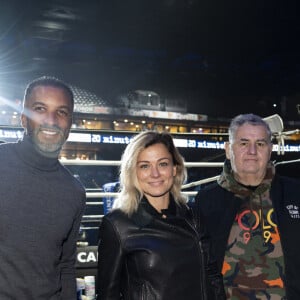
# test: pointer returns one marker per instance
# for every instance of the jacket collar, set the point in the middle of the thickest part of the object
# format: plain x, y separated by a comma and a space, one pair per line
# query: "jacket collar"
146, 212
228, 182
28, 153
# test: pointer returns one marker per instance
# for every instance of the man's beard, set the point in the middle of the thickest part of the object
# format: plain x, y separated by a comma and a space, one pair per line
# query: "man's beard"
50, 148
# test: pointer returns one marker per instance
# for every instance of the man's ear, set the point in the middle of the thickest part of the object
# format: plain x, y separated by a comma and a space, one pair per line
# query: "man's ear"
271, 148
23, 121
227, 149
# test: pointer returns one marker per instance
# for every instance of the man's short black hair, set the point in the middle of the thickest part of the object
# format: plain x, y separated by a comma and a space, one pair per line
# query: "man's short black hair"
48, 81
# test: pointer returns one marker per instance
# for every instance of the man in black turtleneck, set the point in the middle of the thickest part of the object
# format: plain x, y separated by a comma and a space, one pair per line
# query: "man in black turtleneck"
41, 203
252, 216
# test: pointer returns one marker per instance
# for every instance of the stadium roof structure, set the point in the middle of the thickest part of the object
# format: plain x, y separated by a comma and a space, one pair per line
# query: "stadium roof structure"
223, 58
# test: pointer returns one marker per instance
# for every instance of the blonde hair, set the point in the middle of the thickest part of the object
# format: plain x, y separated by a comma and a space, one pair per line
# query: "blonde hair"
130, 191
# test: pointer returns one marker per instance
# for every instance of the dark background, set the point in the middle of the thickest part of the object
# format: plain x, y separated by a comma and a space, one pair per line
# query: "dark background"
222, 57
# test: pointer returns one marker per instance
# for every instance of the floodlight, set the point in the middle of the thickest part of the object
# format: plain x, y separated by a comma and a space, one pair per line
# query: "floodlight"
275, 123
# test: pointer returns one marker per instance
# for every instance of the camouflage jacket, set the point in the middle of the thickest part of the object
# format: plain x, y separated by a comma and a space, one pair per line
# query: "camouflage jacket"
217, 205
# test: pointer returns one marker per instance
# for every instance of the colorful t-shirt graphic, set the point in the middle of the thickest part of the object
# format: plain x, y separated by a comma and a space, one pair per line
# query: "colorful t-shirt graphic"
253, 266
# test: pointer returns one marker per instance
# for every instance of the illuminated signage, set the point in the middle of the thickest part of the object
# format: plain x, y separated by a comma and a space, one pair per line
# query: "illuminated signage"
87, 256
95, 109
11, 135
79, 137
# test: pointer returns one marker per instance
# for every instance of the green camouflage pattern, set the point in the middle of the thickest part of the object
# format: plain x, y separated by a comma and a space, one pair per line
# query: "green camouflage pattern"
253, 265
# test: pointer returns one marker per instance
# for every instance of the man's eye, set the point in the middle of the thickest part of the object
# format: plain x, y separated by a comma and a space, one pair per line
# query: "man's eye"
39, 108
261, 144
243, 144
63, 113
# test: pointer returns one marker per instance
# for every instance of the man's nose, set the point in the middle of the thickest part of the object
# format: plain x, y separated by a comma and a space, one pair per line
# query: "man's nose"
252, 149
50, 118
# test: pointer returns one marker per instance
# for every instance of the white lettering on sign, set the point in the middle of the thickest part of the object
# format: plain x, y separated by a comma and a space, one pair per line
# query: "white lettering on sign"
86, 257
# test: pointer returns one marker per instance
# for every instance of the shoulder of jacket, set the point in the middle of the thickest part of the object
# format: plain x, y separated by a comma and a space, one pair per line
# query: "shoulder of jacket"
285, 180
118, 217
117, 220
210, 190
115, 215
7, 146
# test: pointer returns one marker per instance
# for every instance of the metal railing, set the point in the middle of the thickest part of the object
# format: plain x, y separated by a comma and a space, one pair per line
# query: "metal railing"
89, 219
97, 194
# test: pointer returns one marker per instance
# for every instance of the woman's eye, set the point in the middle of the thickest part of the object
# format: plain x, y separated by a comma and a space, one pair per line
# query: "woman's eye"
164, 164
144, 166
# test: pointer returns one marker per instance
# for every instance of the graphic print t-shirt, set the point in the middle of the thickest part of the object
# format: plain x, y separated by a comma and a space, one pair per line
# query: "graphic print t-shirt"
253, 266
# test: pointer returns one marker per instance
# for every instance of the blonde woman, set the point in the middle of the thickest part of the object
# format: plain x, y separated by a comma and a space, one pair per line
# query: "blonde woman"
148, 247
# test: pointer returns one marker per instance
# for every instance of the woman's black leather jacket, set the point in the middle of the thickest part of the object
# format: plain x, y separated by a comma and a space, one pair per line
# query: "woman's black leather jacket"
145, 257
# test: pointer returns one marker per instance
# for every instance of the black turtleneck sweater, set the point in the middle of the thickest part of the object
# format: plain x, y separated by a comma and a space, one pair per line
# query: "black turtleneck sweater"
41, 205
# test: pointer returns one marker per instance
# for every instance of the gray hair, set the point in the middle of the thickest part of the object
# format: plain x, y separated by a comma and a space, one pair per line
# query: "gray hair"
251, 119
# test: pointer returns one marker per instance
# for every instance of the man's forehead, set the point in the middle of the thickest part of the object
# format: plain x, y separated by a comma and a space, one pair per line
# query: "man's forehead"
251, 132
42, 93
251, 129
44, 89
251, 138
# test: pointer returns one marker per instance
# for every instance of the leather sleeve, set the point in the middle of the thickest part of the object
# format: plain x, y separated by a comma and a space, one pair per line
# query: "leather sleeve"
110, 262
215, 284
